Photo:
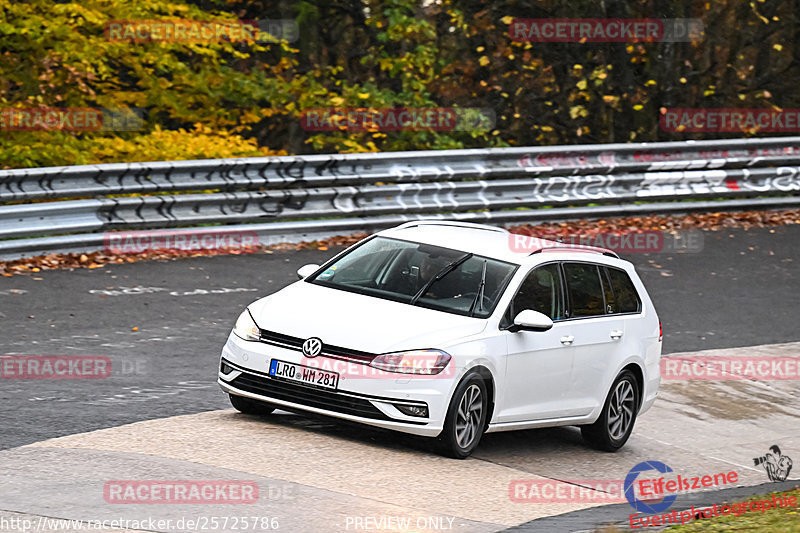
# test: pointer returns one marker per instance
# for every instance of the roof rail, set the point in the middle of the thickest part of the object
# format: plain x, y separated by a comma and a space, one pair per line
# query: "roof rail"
453, 223
576, 248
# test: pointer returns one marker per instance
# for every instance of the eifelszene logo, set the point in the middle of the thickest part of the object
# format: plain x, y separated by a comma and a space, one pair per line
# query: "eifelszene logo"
658, 494
640, 505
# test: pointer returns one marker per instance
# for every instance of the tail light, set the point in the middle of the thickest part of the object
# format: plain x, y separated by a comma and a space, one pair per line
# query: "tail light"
660, 332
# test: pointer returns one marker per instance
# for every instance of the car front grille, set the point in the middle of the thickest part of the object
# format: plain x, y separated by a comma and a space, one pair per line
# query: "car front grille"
296, 343
308, 396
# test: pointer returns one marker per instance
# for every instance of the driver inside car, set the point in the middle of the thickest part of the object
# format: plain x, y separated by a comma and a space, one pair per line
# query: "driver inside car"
428, 268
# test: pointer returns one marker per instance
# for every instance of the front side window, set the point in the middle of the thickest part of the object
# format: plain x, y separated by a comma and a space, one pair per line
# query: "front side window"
420, 274
585, 289
540, 291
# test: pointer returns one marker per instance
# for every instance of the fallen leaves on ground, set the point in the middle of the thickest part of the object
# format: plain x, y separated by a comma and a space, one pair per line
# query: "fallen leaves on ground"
667, 223
697, 221
100, 259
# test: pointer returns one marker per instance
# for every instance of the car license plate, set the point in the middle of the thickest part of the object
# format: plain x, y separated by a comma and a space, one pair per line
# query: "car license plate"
304, 374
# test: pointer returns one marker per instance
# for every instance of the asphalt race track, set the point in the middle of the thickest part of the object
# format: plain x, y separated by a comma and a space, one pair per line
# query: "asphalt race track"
160, 414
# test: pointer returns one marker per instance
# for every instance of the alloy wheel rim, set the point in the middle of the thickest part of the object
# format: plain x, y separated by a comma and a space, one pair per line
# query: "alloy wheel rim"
468, 418
621, 409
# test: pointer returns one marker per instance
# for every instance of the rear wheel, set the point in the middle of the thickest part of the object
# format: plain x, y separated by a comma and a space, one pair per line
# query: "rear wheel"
466, 419
614, 426
249, 406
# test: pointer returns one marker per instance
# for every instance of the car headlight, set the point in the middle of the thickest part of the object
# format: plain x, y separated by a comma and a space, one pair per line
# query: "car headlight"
246, 327
424, 362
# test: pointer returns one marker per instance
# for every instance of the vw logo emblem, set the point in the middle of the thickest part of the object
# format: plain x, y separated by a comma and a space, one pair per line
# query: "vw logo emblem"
312, 347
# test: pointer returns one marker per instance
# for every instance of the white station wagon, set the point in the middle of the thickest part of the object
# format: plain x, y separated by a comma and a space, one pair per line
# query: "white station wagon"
450, 330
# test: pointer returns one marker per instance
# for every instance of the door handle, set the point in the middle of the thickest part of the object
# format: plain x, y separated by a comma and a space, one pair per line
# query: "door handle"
567, 340
615, 334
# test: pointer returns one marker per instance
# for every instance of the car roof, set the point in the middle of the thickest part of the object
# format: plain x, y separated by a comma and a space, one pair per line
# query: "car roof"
488, 241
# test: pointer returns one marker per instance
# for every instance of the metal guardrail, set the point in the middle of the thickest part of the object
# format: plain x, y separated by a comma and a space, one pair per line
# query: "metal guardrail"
308, 197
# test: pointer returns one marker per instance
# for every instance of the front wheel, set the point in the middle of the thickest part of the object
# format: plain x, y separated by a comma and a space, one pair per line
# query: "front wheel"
250, 407
466, 419
614, 426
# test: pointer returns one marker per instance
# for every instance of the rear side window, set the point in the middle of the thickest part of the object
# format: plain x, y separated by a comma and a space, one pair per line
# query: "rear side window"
585, 289
626, 299
608, 292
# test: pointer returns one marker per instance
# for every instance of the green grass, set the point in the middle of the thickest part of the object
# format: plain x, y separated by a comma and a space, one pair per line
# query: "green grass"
780, 520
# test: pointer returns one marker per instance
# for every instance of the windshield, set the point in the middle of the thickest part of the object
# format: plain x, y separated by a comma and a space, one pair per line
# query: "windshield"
420, 274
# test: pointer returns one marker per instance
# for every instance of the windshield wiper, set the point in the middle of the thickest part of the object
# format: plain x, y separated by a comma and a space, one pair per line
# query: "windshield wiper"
479, 297
439, 275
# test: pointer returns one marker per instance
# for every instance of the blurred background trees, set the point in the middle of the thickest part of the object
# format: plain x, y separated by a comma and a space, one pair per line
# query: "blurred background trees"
233, 99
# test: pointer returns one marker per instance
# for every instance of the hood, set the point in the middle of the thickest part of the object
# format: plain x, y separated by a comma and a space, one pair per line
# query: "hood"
359, 322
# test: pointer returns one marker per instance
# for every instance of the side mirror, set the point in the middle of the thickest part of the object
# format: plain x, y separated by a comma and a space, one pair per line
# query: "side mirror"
531, 320
306, 270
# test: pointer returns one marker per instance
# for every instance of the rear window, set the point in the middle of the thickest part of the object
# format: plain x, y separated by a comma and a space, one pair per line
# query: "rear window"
584, 289
626, 299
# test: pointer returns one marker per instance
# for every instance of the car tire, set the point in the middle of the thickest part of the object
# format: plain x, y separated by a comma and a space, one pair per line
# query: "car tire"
466, 418
614, 426
250, 407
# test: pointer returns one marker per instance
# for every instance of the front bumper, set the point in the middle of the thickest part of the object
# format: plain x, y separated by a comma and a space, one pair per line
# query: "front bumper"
369, 400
